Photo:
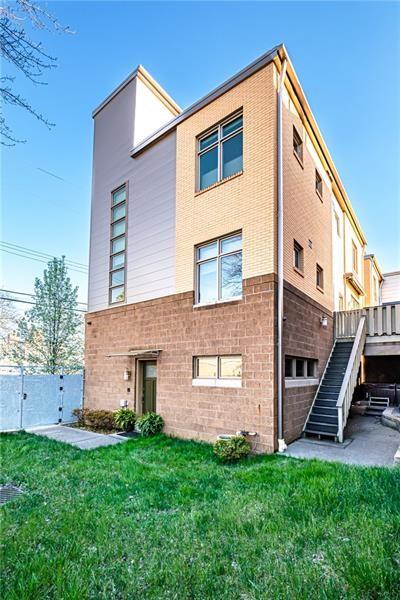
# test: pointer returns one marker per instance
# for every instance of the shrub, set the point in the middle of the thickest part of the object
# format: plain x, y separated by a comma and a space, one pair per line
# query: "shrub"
149, 424
95, 419
232, 449
125, 419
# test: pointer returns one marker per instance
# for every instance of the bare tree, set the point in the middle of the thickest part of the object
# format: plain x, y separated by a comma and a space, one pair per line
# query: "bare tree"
25, 55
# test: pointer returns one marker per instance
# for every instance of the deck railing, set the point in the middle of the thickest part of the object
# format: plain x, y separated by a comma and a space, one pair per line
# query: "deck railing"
381, 320
350, 377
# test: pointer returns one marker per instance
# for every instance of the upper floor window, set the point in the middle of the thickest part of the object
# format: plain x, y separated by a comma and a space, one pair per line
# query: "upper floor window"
297, 144
354, 257
320, 277
118, 245
220, 152
298, 256
219, 270
318, 184
337, 220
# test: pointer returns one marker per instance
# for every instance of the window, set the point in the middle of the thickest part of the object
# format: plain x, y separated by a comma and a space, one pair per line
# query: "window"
318, 184
354, 303
219, 270
118, 245
337, 224
218, 367
341, 302
320, 278
220, 152
300, 368
298, 256
297, 145
355, 257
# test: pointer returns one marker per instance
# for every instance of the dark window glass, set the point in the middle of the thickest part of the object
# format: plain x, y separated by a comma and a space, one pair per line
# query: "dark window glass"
297, 144
207, 282
288, 367
299, 367
310, 368
232, 126
208, 141
318, 183
231, 276
297, 256
208, 168
232, 155
320, 277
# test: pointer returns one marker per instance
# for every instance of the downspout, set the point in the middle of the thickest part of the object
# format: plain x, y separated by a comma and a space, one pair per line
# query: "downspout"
281, 442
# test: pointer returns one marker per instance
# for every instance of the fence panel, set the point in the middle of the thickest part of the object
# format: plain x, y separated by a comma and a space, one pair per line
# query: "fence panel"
29, 400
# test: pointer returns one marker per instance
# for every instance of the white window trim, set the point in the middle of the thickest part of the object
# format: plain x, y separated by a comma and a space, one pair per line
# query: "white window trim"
218, 144
217, 258
293, 382
223, 383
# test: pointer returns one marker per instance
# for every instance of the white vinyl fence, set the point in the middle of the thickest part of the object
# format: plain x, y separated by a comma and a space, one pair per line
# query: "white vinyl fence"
29, 398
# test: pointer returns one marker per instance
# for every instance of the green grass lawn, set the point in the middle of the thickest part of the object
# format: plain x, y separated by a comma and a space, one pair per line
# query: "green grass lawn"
159, 518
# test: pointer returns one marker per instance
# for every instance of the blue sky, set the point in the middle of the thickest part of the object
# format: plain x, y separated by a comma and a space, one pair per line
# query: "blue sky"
347, 56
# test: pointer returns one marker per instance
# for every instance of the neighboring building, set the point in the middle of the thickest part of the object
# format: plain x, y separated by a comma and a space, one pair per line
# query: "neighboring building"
373, 279
184, 283
391, 287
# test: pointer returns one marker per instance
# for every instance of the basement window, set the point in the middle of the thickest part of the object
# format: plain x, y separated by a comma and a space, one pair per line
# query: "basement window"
300, 368
217, 371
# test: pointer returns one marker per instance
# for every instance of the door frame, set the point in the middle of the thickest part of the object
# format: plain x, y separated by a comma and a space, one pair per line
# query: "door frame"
139, 383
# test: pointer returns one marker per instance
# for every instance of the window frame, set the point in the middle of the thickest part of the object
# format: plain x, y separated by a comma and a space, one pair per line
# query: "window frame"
221, 139
313, 362
319, 271
319, 183
300, 144
218, 258
298, 247
122, 236
217, 379
354, 256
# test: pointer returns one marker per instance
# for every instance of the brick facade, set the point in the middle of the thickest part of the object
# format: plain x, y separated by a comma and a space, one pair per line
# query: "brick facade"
180, 331
303, 337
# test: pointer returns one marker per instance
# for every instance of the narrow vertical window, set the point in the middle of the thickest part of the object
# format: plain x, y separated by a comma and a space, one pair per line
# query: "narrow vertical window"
117, 280
355, 257
318, 184
297, 145
337, 224
220, 152
298, 256
320, 277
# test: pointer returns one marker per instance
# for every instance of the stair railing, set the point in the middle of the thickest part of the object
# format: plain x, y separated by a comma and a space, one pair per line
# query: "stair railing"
350, 377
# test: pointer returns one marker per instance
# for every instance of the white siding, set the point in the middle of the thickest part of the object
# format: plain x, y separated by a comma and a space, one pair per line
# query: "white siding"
151, 223
391, 287
337, 254
151, 197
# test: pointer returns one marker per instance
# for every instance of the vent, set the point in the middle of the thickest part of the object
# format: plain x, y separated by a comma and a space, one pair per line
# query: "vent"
8, 492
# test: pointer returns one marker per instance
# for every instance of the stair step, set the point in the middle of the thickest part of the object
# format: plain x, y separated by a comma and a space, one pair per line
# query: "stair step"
330, 387
328, 395
322, 420
321, 429
324, 410
322, 402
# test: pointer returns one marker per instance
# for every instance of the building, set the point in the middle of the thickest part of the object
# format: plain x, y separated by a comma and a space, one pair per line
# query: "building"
222, 242
391, 287
373, 280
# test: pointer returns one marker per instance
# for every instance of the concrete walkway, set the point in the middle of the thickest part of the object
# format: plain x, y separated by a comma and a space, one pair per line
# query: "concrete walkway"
80, 438
367, 442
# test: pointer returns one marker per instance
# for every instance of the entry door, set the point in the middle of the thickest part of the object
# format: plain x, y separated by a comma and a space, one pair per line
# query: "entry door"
149, 386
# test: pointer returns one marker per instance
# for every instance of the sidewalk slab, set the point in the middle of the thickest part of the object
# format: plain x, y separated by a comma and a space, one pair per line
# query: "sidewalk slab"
367, 442
80, 438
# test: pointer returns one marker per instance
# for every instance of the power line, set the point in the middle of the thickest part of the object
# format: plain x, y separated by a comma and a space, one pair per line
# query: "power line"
73, 263
40, 260
33, 303
31, 295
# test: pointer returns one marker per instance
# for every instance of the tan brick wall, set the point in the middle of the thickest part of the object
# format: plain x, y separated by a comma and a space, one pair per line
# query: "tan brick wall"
245, 202
303, 337
306, 217
180, 331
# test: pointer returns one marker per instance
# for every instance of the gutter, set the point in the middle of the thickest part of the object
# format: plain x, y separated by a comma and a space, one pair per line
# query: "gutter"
281, 442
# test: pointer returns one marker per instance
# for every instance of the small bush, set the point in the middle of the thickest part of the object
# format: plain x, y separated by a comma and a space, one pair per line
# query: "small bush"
95, 419
232, 449
149, 424
125, 419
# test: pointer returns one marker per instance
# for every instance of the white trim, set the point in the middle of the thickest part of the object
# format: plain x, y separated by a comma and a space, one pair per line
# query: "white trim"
222, 383
301, 382
234, 299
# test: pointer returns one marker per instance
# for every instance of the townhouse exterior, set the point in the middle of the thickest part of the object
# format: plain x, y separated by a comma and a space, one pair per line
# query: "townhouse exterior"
222, 242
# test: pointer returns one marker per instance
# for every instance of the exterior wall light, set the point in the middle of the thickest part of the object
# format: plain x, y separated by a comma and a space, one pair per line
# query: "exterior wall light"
324, 321
123, 403
127, 375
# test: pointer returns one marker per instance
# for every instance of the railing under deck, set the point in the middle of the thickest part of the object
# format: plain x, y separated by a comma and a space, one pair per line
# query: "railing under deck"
380, 320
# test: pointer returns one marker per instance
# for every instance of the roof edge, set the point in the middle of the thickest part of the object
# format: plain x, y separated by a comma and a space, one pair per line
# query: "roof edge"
150, 82
253, 67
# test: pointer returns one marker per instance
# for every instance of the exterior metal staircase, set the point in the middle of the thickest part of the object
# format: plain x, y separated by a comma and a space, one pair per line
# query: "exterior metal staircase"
331, 406
323, 417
